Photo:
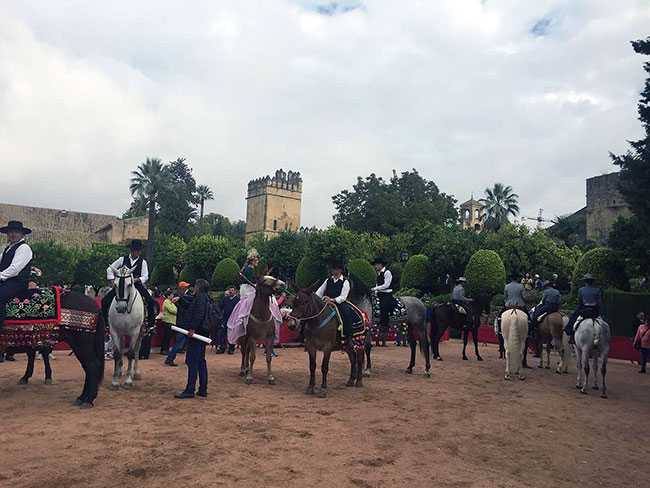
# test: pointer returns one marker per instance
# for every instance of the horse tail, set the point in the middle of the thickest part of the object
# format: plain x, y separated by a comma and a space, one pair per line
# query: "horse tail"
358, 290
514, 343
98, 345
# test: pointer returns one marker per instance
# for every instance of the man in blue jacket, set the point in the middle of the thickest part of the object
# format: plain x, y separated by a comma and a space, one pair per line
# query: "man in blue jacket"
590, 304
226, 305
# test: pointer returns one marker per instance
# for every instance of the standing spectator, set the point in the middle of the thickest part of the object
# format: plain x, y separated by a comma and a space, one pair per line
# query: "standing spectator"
195, 357
527, 281
640, 319
538, 283
226, 305
554, 281
448, 280
169, 318
180, 339
643, 337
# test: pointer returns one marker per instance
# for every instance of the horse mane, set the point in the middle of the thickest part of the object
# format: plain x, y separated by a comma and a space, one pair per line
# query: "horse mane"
358, 289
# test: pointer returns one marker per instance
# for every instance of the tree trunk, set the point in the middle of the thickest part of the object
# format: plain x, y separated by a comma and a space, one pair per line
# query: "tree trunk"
150, 232
201, 218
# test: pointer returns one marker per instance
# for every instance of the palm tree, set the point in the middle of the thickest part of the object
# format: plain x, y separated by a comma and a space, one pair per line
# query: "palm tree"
203, 193
498, 205
148, 181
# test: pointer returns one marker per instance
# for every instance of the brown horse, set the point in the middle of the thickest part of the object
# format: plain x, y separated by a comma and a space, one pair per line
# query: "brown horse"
551, 328
261, 325
321, 334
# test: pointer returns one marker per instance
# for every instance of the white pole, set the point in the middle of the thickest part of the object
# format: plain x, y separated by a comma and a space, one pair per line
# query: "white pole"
207, 340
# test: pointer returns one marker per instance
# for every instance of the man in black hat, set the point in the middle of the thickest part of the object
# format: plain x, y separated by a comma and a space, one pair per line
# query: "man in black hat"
15, 265
551, 301
335, 290
590, 303
384, 292
141, 275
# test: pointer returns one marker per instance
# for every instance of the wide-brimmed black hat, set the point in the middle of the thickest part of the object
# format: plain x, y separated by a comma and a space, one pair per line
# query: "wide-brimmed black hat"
515, 275
135, 245
15, 225
337, 264
589, 277
546, 283
381, 261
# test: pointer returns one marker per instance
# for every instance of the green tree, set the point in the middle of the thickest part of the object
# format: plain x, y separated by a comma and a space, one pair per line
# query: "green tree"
225, 274
176, 205
150, 179
571, 229
334, 243
139, 207
364, 270
450, 248
170, 254
632, 240
309, 271
203, 193
203, 253
417, 273
218, 225
375, 205
92, 264
56, 262
485, 273
283, 253
499, 204
606, 265
634, 178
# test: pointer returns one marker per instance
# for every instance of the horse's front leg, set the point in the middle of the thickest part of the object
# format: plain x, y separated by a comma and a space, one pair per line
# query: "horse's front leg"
312, 371
324, 367
465, 338
475, 337
368, 351
269, 356
131, 355
117, 361
353, 360
136, 367
31, 358
411, 336
243, 345
251, 359
46, 363
360, 357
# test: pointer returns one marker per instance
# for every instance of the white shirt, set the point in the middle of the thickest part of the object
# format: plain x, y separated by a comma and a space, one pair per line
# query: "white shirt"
23, 256
388, 279
144, 275
344, 291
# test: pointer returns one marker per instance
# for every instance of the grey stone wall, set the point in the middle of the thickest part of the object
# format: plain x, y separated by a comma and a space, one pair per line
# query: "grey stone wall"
604, 205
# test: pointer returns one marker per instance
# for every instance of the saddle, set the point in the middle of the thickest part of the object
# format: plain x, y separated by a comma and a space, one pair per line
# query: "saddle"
39, 305
397, 313
458, 308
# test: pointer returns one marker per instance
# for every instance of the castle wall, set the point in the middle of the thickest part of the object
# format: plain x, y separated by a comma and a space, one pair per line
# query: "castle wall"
604, 205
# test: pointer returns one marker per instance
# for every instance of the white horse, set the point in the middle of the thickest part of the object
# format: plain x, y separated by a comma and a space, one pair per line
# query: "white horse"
592, 338
125, 318
514, 327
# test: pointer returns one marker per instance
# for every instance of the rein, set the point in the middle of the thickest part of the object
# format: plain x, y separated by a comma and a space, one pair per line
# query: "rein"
129, 302
300, 319
324, 322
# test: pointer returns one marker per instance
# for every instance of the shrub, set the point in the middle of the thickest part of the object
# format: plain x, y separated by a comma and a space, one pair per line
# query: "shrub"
408, 292
485, 273
188, 274
162, 275
621, 309
309, 271
225, 274
606, 265
364, 270
498, 300
417, 273
438, 299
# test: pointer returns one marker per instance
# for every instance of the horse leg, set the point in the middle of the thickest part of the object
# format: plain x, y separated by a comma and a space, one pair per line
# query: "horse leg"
603, 372
324, 367
269, 356
353, 366
475, 337
312, 371
548, 354
359, 357
412, 344
46, 363
131, 354
596, 355
243, 344
585, 360
579, 367
436, 343
368, 350
31, 357
136, 367
251, 359
465, 337
82, 346
117, 360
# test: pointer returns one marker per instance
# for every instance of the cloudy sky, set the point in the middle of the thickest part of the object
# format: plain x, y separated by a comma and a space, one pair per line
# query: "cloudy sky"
529, 93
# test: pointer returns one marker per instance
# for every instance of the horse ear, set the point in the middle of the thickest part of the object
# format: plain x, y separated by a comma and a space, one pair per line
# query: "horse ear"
269, 272
313, 288
295, 287
256, 273
114, 269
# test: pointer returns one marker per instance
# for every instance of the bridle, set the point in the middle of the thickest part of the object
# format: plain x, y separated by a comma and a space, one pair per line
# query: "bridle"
119, 294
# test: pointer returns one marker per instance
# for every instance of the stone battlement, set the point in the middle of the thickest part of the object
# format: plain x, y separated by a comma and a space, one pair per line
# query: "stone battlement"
290, 181
604, 206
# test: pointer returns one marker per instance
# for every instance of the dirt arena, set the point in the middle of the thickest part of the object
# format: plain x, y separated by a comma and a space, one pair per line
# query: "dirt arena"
463, 427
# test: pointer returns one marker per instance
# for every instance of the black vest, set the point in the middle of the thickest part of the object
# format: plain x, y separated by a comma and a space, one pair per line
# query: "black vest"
380, 278
7, 259
333, 289
137, 272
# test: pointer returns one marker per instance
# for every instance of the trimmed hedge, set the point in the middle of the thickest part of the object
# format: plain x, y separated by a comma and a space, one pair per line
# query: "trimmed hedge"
408, 292
188, 275
621, 308
606, 265
417, 273
161, 274
225, 273
308, 272
485, 273
364, 270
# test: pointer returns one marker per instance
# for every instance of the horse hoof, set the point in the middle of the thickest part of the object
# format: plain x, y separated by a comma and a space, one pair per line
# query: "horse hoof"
540, 366
48, 381
127, 386
249, 381
558, 371
565, 372
522, 378
114, 387
322, 394
479, 358
242, 374
408, 371
595, 387
465, 358
350, 383
85, 406
359, 384
366, 373
77, 402
583, 391
427, 374
604, 395
271, 381
548, 367
137, 376
506, 377
309, 390
23, 381
439, 358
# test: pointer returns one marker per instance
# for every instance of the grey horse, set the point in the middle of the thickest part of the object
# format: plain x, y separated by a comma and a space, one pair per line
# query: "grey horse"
125, 318
592, 337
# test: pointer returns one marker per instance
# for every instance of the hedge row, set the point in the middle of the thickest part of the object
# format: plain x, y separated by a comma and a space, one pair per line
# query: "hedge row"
621, 308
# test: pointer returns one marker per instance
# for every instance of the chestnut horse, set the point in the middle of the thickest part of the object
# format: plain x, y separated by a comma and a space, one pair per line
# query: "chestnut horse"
551, 328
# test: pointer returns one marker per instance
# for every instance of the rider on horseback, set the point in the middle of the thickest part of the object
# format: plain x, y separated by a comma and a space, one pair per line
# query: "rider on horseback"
551, 301
15, 265
590, 304
458, 298
335, 290
141, 275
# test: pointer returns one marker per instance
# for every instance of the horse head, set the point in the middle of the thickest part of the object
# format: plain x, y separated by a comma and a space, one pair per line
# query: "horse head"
303, 304
124, 287
271, 283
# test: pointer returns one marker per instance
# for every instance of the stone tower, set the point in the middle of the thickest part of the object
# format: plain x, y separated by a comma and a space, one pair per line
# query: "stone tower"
604, 205
471, 214
273, 204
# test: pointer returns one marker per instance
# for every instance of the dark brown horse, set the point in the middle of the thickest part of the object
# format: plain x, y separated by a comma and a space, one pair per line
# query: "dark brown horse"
445, 315
261, 325
321, 334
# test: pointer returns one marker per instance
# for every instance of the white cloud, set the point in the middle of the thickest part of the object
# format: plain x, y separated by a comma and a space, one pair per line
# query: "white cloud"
467, 92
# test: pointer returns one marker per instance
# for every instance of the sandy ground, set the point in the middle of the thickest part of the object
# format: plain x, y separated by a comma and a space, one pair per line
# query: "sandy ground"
463, 427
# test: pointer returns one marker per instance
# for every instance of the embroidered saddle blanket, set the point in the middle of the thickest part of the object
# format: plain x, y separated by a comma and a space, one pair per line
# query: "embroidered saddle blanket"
397, 314
40, 305
47, 334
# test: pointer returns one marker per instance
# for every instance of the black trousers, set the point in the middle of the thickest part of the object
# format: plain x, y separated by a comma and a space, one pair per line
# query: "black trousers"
167, 337
385, 304
151, 305
349, 316
8, 290
543, 308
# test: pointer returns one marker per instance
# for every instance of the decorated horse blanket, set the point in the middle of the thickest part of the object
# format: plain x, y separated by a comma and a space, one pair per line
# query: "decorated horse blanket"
238, 321
396, 315
40, 305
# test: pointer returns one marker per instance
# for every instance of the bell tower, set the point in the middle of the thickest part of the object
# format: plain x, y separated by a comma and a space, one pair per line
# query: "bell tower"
471, 214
